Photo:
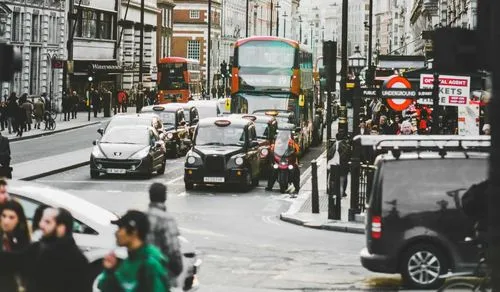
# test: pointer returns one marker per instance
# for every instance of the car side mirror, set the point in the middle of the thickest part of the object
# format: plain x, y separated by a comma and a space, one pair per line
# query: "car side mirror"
298, 130
100, 131
94, 142
195, 121
157, 145
182, 123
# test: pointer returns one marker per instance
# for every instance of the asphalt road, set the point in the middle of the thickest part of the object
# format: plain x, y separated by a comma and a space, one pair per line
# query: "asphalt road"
243, 244
73, 140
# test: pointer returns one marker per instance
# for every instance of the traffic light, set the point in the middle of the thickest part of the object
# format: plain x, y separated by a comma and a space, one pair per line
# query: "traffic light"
10, 62
330, 62
223, 69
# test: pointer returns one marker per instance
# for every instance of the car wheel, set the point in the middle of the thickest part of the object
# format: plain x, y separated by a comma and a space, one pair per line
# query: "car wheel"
94, 174
162, 168
188, 186
421, 266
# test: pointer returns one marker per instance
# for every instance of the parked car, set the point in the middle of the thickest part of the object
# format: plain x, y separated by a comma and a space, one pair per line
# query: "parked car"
128, 150
225, 151
177, 138
145, 119
92, 230
414, 222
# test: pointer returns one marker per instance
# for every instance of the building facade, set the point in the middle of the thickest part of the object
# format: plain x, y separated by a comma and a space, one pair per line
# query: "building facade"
37, 28
95, 45
129, 43
190, 38
165, 29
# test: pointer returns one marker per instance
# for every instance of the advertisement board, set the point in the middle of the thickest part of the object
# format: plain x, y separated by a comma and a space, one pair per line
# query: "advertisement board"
453, 90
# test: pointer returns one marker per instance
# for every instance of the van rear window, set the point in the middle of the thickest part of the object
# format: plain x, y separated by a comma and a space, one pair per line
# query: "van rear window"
415, 185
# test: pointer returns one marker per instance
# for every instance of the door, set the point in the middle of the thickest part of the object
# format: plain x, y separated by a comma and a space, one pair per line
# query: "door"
156, 152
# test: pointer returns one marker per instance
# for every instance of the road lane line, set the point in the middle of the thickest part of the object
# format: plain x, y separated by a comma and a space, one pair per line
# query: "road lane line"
175, 180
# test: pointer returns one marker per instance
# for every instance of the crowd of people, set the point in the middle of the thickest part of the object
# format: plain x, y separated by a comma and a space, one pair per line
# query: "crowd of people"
17, 114
44, 257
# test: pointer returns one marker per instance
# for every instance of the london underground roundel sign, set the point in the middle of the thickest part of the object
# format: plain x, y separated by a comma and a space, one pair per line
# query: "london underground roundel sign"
398, 104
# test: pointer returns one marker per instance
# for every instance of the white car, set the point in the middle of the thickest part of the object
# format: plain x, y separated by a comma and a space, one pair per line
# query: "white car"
93, 232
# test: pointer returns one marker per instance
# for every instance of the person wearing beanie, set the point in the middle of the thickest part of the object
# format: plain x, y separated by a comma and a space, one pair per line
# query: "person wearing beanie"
164, 232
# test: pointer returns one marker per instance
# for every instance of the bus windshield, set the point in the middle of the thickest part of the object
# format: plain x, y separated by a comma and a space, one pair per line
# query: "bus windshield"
258, 54
172, 76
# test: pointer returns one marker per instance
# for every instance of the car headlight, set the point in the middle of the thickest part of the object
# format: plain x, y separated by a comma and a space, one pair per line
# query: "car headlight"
97, 153
239, 161
275, 166
290, 167
141, 154
192, 158
264, 152
170, 136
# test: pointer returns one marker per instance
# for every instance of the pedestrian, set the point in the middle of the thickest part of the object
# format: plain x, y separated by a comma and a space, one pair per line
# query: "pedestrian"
164, 232
3, 115
95, 101
15, 236
66, 106
384, 127
75, 101
39, 109
5, 169
362, 128
406, 128
55, 263
214, 92
20, 117
36, 232
144, 269
374, 130
396, 126
487, 129
12, 107
4, 194
28, 109
340, 154
119, 98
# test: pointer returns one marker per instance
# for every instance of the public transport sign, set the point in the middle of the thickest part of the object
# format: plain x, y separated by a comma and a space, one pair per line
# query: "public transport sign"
395, 93
396, 102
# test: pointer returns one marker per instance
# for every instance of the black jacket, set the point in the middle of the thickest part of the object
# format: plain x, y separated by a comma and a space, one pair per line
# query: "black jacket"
51, 265
9, 280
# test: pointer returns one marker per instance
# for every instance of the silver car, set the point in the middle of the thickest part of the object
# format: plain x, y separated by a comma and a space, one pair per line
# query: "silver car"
92, 230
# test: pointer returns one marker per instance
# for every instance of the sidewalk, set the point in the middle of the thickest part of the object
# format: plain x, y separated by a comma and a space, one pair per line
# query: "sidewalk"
300, 212
61, 125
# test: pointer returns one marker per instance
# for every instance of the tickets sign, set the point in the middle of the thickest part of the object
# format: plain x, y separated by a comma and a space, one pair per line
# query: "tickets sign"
453, 90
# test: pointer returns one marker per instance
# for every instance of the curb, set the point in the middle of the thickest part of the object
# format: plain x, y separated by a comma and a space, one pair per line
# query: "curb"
53, 132
337, 227
55, 171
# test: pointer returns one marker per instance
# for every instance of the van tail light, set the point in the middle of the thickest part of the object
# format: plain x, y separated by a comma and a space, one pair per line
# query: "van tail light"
376, 227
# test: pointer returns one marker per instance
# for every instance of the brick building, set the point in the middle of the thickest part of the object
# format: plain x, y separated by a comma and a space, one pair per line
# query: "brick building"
190, 38
164, 30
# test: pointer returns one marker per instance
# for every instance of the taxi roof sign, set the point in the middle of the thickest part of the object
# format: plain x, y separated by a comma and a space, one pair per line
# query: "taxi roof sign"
158, 108
272, 113
222, 123
250, 117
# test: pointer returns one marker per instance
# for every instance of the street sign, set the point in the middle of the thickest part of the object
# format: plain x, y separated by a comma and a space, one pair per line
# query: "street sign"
369, 93
57, 64
396, 93
453, 90
398, 101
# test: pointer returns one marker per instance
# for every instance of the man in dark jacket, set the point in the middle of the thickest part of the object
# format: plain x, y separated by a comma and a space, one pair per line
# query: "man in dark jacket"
340, 154
5, 169
164, 232
55, 263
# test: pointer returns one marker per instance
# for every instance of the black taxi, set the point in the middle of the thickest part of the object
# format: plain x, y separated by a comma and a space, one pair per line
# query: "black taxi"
175, 129
266, 127
225, 151
191, 115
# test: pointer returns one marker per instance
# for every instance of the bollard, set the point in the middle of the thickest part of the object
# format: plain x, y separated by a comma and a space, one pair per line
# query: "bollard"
331, 192
315, 193
337, 196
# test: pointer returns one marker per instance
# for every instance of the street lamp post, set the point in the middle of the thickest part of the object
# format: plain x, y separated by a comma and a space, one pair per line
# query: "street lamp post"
247, 12
255, 7
271, 23
278, 6
343, 71
356, 63
140, 100
285, 15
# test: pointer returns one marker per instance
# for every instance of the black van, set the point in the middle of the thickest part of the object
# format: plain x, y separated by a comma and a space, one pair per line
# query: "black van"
414, 222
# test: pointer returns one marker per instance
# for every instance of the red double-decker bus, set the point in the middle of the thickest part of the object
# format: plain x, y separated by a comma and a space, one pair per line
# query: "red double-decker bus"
179, 80
272, 73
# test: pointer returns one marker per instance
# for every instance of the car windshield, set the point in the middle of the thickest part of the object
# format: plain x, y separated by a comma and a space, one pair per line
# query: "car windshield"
281, 145
126, 135
129, 121
262, 130
220, 136
168, 118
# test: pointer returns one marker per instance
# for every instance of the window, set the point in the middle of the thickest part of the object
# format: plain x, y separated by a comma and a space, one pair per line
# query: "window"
89, 24
194, 14
193, 50
35, 28
17, 26
35, 69
105, 26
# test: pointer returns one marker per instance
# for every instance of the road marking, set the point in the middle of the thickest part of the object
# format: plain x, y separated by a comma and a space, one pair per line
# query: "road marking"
93, 181
114, 191
201, 232
175, 180
269, 220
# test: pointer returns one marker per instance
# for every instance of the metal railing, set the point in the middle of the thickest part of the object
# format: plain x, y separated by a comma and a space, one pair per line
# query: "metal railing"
365, 186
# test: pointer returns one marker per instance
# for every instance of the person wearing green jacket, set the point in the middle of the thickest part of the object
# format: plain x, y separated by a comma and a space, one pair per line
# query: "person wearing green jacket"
144, 268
